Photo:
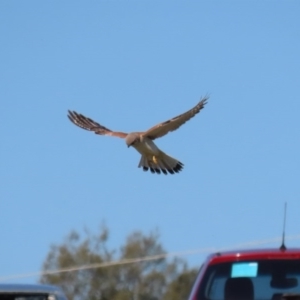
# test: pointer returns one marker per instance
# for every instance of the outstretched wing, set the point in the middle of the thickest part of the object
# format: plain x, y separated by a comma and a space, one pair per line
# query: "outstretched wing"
88, 124
161, 129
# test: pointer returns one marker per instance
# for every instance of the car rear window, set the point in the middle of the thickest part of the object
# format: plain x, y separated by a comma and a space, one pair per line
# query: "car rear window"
15, 296
258, 280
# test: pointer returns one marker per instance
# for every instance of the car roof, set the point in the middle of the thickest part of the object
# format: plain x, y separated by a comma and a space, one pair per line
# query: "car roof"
255, 254
30, 288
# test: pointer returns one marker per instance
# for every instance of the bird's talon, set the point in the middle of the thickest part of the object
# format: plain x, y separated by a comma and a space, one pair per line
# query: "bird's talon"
154, 159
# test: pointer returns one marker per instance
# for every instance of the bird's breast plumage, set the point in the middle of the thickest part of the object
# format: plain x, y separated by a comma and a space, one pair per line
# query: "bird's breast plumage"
146, 146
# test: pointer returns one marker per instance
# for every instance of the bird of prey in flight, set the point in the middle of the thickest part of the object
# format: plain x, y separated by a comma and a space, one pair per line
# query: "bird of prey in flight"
152, 157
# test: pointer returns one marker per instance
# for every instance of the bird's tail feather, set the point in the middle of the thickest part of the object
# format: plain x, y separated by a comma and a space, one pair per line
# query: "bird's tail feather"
160, 163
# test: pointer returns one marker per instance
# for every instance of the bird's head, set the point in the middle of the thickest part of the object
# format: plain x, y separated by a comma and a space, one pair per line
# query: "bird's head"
131, 138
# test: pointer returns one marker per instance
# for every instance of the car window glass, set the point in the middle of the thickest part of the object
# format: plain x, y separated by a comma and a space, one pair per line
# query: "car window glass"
270, 279
24, 297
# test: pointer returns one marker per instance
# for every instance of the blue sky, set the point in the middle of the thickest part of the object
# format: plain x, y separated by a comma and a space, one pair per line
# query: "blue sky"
130, 65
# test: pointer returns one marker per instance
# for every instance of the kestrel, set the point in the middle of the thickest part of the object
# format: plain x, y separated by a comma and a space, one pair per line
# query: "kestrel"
152, 157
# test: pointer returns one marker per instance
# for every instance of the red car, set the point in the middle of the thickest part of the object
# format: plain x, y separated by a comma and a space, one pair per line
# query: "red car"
268, 274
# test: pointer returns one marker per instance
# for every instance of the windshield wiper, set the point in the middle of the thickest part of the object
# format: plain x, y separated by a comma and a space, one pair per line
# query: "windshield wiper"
290, 297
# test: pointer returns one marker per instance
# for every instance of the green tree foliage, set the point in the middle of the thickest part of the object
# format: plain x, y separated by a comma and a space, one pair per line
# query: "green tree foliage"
180, 288
145, 280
